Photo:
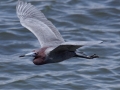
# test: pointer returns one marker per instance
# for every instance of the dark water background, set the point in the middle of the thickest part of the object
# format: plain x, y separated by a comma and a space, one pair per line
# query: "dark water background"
76, 20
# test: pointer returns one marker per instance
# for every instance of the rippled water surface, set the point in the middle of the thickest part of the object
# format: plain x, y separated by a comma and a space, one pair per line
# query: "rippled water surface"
76, 20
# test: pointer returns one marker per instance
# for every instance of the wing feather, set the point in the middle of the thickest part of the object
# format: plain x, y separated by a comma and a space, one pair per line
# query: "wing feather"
72, 46
37, 23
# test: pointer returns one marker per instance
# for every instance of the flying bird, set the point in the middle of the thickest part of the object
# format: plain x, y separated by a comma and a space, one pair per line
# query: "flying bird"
53, 47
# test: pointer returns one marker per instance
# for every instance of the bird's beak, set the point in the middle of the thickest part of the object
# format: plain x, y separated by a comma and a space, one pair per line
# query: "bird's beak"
31, 54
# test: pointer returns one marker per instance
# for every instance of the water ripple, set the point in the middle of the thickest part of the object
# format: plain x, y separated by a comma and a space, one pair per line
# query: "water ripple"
76, 20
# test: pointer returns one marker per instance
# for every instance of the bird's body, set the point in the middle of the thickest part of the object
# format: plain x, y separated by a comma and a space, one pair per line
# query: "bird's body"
52, 58
53, 47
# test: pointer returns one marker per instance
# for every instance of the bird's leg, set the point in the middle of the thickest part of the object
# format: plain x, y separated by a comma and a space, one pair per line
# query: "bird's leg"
83, 55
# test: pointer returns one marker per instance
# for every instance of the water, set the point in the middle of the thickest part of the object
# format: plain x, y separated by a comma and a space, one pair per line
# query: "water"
76, 20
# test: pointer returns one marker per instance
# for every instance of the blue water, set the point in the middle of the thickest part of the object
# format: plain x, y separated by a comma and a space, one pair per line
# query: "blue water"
86, 20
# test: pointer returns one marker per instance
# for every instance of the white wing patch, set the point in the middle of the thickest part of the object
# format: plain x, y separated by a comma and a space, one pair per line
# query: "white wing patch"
82, 43
34, 20
44, 34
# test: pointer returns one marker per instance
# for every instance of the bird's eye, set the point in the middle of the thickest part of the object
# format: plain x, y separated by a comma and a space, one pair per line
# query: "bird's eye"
35, 53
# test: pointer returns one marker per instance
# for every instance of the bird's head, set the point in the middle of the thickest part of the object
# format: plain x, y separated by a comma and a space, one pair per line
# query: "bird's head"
39, 56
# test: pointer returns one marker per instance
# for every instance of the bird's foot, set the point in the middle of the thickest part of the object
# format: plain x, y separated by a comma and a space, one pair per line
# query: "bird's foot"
93, 56
83, 55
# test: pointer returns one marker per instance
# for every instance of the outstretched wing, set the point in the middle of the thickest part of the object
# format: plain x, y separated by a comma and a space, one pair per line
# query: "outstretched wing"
72, 46
34, 20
